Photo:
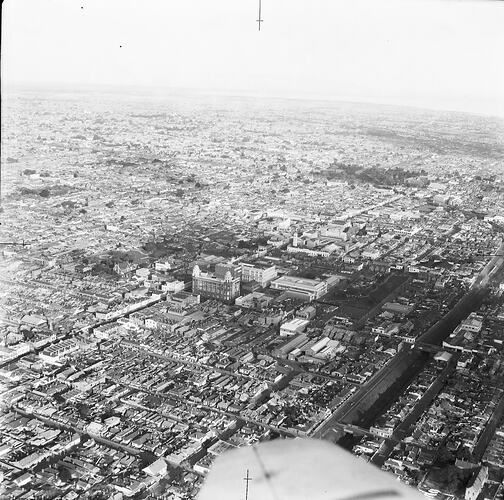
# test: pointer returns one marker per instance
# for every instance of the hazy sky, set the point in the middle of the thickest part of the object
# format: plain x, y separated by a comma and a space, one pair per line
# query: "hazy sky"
444, 54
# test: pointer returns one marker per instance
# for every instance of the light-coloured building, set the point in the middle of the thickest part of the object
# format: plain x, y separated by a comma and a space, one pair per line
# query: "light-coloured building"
312, 289
293, 327
335, 231
261, 271
173, 286
476, 484
55, 352
307, 312
254, 300
290, 345
396, 308
473, 323
308, 251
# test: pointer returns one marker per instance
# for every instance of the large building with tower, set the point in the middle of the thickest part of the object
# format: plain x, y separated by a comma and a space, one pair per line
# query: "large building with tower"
223, 284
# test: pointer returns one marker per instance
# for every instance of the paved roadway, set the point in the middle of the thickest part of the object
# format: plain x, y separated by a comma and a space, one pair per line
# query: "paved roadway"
293, 365
72, 333
404, 428
348, 412
489, 430
184, 400
166, 357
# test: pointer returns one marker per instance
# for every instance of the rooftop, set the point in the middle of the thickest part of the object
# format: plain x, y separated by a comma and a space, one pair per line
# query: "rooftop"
295, 280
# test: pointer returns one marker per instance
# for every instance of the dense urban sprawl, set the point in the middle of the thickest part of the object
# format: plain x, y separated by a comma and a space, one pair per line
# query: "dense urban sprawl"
186, 275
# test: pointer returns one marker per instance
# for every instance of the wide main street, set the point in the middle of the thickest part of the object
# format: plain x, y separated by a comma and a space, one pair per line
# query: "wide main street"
369, 401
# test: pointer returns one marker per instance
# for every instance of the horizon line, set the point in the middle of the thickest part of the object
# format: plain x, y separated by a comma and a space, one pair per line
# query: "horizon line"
257, 94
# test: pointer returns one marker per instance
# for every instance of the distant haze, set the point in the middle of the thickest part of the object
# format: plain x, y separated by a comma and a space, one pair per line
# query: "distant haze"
443, 54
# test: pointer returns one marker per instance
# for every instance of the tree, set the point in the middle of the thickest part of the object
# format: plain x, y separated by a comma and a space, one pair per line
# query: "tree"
64, 474
84, 410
